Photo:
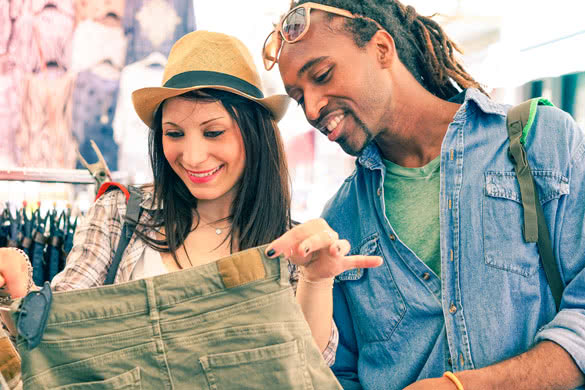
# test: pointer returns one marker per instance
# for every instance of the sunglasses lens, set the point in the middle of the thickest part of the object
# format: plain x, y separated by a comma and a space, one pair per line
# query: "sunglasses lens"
270, 50
294, 24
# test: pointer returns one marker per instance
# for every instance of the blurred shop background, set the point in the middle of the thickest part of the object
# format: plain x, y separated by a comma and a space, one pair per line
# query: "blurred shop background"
68, 67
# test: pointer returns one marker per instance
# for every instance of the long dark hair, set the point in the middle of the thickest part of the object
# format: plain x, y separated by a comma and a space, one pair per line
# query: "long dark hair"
422, 45
260, 212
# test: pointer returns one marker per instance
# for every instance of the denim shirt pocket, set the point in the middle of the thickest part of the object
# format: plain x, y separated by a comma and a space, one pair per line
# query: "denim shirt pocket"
503, 219
374, 300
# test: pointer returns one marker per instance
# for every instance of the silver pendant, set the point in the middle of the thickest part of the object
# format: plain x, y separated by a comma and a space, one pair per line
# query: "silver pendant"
218, 231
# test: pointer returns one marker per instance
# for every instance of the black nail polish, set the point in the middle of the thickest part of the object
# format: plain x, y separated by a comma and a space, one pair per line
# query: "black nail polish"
271, 252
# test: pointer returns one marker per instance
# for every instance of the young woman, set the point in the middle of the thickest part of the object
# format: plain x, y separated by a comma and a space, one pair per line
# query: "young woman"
220, 186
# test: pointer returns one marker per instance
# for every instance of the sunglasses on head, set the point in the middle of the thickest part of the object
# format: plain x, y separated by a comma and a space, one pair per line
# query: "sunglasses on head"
293, 27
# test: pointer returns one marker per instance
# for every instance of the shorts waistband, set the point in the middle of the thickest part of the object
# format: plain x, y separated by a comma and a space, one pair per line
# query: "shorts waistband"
240, 270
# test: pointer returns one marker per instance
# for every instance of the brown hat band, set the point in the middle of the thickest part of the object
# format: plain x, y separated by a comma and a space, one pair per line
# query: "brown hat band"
202, 77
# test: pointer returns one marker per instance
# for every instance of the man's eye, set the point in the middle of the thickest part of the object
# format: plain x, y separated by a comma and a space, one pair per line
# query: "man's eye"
323, 76
213, 134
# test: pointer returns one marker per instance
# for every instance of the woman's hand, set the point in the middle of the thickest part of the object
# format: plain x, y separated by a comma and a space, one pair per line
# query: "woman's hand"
14, 274
317, 249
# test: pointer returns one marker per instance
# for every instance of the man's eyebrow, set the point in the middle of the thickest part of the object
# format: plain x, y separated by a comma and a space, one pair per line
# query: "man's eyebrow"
309, 64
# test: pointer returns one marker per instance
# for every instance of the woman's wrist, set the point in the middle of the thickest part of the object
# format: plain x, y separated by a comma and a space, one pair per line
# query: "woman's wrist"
314, 281
5, 298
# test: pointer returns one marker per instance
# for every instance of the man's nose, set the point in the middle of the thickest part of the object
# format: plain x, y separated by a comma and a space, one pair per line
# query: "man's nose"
313, 105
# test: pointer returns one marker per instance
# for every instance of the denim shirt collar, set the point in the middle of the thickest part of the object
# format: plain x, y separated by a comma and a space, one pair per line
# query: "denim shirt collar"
371, 158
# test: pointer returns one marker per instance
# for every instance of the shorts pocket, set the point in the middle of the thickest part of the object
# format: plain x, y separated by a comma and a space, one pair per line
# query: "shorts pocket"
129, 380
280, 366
503, 219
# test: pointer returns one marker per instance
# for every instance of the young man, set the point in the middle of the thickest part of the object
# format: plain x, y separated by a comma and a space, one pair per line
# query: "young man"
435, 193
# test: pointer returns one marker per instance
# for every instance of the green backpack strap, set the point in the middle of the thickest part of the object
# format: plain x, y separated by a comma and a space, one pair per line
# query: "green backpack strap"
520, 120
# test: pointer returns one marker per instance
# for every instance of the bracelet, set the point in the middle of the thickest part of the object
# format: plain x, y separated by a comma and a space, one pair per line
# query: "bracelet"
311, 282
449, 375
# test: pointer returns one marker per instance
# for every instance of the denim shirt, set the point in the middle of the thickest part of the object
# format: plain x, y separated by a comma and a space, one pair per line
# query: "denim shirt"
399, 323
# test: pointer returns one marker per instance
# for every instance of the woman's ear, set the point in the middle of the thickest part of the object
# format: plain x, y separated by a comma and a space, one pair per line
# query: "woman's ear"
384, 47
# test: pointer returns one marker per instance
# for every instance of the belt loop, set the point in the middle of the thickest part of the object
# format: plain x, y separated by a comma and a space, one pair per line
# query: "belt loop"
284, 279
151, 300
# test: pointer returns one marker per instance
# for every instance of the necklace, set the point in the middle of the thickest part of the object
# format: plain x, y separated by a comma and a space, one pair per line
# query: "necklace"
218, 230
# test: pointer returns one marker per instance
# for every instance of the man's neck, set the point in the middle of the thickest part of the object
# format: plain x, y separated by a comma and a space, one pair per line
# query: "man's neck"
417, 124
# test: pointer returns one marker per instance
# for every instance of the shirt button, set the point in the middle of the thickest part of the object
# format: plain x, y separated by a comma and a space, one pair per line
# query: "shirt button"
392, 237
426, 276
461, 360
452, 308
379, 192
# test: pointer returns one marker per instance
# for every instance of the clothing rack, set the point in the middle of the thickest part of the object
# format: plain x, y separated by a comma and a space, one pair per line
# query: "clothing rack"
55, 175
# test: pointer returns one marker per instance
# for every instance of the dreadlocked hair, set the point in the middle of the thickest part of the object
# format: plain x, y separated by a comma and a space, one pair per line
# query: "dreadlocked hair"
421, 44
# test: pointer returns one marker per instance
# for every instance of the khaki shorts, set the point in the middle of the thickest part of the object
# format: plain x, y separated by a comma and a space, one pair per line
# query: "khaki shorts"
231, 324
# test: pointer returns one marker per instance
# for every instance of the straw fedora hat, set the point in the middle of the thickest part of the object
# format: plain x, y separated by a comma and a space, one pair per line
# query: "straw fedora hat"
203, 59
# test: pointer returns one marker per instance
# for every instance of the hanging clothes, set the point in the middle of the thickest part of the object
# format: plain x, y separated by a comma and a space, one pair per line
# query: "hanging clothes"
5, 26
16, 7
26, 229
47, 239
38, 252
155, 25
43, 34
10, 110
45, 137
55, 243
94, 43
130, 133
94, 102
98, 9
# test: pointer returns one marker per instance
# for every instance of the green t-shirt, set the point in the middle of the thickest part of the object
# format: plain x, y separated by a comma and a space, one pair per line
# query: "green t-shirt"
411, 197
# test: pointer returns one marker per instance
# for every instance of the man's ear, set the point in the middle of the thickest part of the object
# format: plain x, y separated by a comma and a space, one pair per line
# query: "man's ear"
383, 44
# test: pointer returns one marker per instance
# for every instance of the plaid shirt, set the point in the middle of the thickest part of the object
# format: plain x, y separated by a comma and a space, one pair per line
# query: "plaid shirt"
96, 240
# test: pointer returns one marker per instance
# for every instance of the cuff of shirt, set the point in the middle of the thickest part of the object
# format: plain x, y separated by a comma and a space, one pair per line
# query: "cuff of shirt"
331, 348
567, 329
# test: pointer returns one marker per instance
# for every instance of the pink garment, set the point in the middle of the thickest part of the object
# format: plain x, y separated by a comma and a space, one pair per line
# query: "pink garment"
16, 7
44, 138
98, 9
43, 36
10, 96
64, 6
5, 25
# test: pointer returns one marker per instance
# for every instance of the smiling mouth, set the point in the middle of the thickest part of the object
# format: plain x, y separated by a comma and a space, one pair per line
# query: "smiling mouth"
327, 128
204, 174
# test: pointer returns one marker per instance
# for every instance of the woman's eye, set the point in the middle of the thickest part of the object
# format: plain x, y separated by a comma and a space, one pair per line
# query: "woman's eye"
301, 101
173, 134
213, 134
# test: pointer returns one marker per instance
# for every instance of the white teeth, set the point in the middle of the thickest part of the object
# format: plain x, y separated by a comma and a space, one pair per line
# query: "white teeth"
333, 123
204, 174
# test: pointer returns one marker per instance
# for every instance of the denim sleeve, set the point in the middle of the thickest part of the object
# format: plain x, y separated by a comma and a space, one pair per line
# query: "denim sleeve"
345, 367
567, 329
